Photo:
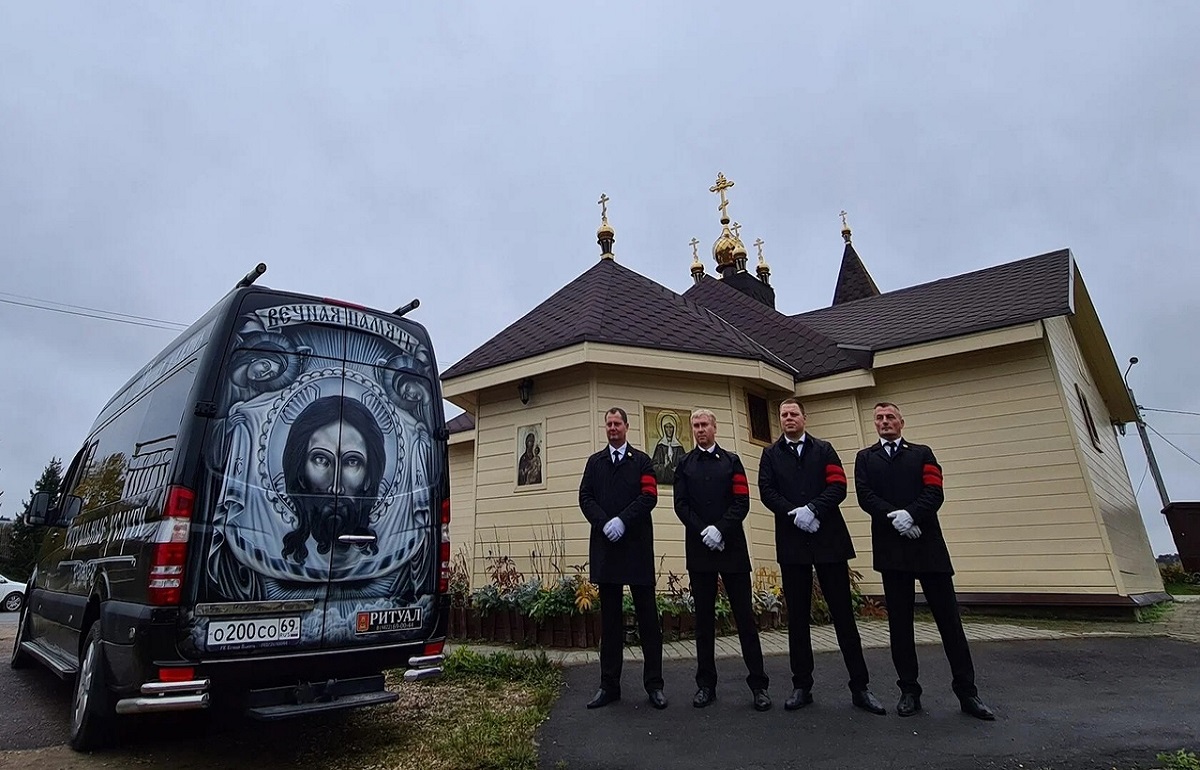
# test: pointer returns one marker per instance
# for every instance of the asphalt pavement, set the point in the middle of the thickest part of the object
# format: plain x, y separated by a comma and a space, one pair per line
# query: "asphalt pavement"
1063, 704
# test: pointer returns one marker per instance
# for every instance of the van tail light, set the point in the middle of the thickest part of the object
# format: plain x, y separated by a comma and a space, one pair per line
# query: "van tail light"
169, 555
176, 674
444, 551
434, 648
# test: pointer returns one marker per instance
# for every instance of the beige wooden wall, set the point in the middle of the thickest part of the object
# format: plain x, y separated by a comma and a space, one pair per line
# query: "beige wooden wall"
1107, 475
462, 498
1018, 516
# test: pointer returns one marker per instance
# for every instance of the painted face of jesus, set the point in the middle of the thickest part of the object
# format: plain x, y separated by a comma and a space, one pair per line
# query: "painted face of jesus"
334, 467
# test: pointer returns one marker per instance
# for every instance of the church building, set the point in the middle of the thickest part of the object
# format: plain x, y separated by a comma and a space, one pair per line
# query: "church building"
1006, 372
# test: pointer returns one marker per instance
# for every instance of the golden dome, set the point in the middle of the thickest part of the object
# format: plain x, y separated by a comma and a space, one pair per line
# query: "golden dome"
725, 248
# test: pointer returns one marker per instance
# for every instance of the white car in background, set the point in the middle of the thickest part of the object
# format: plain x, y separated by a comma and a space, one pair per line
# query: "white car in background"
11, 594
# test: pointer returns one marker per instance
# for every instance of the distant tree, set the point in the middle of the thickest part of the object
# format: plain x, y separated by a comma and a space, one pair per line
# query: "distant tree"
24, 540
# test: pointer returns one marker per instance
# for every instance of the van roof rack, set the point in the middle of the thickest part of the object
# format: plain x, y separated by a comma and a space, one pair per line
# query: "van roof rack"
406, 309
252, 276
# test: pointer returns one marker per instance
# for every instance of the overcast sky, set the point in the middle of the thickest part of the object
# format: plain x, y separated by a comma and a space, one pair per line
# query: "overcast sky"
152, 153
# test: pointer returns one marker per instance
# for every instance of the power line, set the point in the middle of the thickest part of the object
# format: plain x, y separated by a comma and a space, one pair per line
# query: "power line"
103, 315
1139, 489
1168, 411
73, 306
1177, 449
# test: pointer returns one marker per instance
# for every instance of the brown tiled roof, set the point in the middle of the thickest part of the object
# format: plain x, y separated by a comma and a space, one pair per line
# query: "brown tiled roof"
460, 424
807, 350
853, 282
613, 304
1005, 295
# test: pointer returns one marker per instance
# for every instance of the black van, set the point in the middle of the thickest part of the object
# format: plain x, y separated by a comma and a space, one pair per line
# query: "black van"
260, 517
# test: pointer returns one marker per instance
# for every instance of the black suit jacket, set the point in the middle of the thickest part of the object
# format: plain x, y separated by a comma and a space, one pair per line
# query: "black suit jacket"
629, 492
815, 478
711, 489
910, 481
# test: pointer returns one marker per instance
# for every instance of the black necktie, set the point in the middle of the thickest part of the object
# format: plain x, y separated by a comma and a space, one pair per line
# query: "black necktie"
797, 447
616, 457
891, 448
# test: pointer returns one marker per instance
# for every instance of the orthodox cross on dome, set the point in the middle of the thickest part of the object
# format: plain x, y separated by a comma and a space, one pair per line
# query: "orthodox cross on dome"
843, 215
759, 244
736, 227
720, 187
603, 203
695, 254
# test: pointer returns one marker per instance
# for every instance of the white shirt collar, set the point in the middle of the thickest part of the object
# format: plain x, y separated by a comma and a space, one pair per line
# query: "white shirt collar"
801, 440
883, 442
710, 449
623, 449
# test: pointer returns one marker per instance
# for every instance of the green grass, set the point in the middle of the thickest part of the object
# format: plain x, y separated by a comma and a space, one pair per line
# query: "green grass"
1180, 589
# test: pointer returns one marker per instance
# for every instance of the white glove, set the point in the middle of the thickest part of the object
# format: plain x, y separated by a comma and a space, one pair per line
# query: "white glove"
805, 519
901, 520
913, 532
614, 529
712, 538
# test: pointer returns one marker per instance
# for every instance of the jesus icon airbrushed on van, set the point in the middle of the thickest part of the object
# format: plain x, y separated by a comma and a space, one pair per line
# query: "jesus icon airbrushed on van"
259, 518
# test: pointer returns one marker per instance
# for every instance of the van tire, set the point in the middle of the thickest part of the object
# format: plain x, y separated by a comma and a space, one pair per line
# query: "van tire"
21, 659
92, 708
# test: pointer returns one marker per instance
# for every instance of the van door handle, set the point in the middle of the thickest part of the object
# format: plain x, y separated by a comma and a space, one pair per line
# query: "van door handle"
356, 539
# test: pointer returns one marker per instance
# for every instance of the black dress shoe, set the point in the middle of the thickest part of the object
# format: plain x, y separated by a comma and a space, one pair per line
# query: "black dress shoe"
798, 699
657, 699
909, 704
603, 698
866, 700
762, 701
705, 696
977, 708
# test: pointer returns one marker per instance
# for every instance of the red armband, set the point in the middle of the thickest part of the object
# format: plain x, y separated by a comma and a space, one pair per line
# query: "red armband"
932, 475
649, 485
740, 486
835, 474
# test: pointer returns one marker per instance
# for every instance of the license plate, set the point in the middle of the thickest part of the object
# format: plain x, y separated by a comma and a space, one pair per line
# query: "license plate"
253, 631
379, 621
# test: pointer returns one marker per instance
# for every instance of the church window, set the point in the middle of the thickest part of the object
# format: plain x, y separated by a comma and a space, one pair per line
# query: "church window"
760, 420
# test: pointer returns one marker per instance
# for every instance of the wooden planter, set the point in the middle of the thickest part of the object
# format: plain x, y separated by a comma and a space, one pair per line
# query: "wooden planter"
474, 629
561, 627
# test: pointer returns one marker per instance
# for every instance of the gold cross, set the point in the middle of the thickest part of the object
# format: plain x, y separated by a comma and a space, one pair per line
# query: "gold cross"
720, 187
759, 243
603, 207
844, 225
695, 254
736, 227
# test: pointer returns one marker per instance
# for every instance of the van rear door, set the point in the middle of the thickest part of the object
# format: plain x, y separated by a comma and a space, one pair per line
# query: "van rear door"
279, 398
383, 574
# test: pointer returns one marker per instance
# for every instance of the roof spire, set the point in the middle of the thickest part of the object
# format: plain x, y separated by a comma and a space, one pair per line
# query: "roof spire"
763, 269
853, 281
605, 235
726, 243
697, 265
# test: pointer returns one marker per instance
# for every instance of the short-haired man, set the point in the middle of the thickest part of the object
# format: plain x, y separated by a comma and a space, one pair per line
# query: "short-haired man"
617, 494
801, 480
900, 485
712, 499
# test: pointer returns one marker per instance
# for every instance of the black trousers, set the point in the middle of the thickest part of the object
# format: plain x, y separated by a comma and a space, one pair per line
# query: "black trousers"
899, 590
835, 585
737, 587
612, 636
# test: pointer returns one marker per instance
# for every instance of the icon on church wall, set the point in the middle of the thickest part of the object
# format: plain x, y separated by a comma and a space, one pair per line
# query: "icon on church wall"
668, 439
530, 458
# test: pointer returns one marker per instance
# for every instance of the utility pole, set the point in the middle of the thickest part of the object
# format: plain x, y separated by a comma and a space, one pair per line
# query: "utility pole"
1141, 426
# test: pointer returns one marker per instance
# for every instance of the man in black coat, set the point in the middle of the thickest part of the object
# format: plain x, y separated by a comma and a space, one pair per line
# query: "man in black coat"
617, 494
900, 485
712, 499
801, 479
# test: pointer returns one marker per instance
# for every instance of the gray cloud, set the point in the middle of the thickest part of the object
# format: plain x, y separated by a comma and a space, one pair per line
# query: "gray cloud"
153, 153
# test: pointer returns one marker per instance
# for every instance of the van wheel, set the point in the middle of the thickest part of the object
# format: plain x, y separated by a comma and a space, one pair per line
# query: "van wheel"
92, 711
20, 658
